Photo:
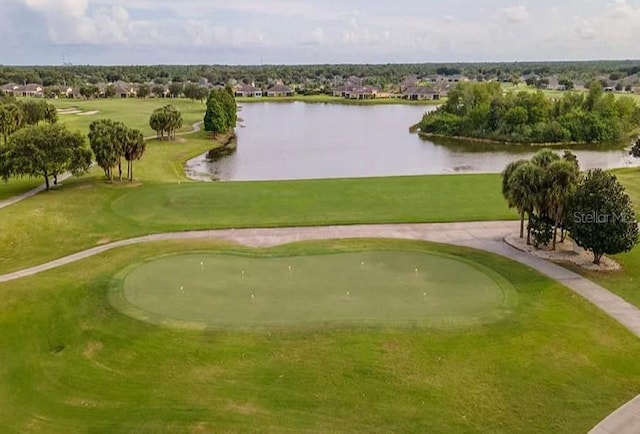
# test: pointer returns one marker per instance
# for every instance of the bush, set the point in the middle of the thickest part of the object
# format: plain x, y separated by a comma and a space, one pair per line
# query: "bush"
541, 231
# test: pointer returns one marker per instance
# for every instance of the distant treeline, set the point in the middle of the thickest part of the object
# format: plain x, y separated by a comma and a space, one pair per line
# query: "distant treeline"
262, 74
484, 110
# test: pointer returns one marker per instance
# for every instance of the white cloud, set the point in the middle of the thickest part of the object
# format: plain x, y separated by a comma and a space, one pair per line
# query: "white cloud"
317, 35
339, 30
515, 14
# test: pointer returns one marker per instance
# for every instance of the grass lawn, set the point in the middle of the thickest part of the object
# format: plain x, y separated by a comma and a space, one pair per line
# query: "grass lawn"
337, 100
236, 292
134, 113
69, 362
48, 226
15, 186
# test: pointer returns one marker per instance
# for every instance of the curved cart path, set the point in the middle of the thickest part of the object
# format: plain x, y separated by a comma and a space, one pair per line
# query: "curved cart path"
27, 194
487, 236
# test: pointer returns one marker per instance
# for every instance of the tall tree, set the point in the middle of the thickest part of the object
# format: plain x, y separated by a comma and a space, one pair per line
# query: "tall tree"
524, 186
11, 119
45, 150
508, 193
228, 101
167, 119
601, 216
103, 143
175, 90
562, 179
143, 91
37, 111
215, 118
133, 149
112, 141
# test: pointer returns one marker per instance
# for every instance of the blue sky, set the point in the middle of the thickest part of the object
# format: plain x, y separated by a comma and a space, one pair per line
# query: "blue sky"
315, 31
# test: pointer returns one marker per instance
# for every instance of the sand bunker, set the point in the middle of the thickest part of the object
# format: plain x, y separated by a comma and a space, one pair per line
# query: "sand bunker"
92, 112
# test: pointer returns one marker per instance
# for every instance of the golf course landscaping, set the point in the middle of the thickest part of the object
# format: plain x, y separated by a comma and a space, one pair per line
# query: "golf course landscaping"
551, 362
368, 288
368, 335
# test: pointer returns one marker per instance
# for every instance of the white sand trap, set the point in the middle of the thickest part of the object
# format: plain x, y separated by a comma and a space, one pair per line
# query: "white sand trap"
68, 111
92, 112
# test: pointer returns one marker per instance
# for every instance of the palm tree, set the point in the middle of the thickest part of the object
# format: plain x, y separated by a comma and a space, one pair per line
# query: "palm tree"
507, 192
133, 150
562, 179
524, 185
120, 136
544, 157
11, 119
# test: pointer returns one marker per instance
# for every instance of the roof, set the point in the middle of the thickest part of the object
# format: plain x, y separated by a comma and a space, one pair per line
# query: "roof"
9, 86
279, 88
31, 87
420, 90
248, 88
365, 89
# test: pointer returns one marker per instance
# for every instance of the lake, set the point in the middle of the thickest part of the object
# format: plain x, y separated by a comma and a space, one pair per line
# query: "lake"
301, 141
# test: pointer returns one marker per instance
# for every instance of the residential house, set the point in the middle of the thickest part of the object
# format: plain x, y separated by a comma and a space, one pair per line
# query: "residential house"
32, 90
61, 92
9, 88
125, 90
248, 90
408, 82
279, 90
457, 78
363, 92
341, 90
435, 78
354, 81
421, 93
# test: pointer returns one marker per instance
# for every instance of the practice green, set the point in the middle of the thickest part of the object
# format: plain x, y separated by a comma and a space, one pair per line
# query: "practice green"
368, 288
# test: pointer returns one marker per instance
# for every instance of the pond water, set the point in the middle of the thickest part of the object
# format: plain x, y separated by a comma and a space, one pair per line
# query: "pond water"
302, 141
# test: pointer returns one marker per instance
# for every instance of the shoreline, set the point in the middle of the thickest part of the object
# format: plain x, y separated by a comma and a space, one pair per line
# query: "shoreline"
414, 129
328, 99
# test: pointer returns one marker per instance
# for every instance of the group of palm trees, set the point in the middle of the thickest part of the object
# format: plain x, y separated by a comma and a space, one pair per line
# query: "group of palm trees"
111, 141
541, 190
166, 119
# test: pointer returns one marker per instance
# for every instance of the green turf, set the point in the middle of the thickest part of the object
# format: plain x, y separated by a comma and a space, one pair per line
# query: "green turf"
442, 198
71, 363
15, 186
133, 112
205, 289
85, 212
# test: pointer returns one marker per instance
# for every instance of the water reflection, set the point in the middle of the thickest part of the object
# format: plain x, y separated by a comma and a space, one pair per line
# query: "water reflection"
302, 141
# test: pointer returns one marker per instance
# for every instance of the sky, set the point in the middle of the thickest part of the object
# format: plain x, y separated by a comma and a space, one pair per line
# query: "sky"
127, 32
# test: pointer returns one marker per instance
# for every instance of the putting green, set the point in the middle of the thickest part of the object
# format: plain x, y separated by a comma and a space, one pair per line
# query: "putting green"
207, 289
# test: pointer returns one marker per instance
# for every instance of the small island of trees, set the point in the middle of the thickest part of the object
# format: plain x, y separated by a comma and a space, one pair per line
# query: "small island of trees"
485, 111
